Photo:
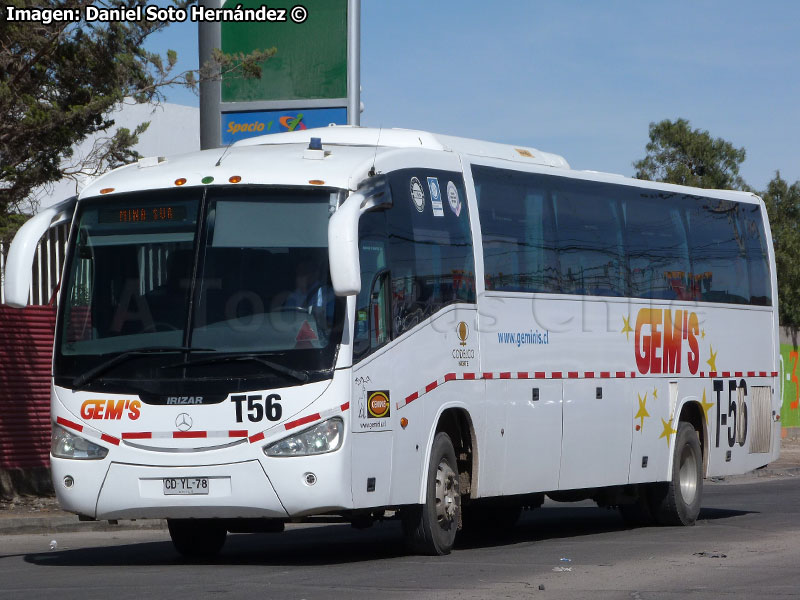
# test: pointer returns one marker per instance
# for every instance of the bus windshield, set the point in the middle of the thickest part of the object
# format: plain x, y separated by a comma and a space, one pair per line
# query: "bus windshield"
231, 279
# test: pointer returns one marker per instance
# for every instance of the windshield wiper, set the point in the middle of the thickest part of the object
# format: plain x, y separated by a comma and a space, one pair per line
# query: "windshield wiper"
298, 375
94, 372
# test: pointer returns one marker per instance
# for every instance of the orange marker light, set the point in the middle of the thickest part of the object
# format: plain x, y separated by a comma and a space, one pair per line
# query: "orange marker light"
316, 182
403, 422
180, 181
106, 190
235, 179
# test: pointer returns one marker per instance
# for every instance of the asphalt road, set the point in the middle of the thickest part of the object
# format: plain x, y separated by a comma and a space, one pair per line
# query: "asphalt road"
745, 545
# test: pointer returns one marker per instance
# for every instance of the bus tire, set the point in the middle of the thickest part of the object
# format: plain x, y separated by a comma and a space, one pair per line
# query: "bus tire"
677, 502
197, 538
431, 528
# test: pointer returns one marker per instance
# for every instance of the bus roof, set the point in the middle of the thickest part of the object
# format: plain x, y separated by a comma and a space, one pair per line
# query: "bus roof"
280, 159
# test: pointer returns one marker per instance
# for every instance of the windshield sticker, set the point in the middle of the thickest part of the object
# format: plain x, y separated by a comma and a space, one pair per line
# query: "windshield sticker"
452, 198
417, 194
436, 197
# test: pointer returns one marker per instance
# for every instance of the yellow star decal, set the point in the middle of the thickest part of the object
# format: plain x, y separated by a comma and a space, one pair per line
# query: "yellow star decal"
626, 327
706, 405
668, 430
702, 334
655, 393
642, 411
712, 361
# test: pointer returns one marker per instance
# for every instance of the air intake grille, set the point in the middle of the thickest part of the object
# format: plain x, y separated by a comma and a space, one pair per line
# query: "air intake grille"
761, 419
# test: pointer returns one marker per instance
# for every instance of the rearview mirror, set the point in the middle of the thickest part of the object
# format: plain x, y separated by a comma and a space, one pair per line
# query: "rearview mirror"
19, 266
373, 194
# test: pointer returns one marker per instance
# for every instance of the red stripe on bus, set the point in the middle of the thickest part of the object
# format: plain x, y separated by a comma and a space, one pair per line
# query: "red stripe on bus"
345, 406
633, 374
712, 373
488, 376
555, 375
726, 373
257, 437
572, 374
109, 439
540, 375
237, 433
431, 386
620, 374
762, 373
185, 435
522, 375
137, 435
412, 397
68, 423
605, 374
470, 376
751, 373
450, 377
737, 374
302, 421
589, 374
505, 375
774, 373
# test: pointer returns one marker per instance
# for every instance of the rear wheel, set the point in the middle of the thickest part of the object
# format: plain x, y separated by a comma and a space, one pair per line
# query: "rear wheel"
431, 528
677, 502
197, 538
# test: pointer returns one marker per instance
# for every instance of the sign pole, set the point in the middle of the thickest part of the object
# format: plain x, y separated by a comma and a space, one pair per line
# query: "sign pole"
353, 62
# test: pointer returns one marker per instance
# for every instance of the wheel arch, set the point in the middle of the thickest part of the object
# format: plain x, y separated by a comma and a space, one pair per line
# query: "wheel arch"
692, 412
455, 420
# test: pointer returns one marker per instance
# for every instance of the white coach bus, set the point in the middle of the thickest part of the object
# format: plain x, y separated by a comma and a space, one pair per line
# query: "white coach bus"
399, 323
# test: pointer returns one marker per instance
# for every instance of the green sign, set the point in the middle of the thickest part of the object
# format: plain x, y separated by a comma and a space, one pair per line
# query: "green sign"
311, 59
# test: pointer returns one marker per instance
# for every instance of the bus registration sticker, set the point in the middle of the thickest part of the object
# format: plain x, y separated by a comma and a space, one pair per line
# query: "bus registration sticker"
417, 194
179, 486
436, 197
452, 198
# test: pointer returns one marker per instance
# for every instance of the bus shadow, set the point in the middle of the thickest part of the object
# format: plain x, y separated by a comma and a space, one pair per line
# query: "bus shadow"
340, 544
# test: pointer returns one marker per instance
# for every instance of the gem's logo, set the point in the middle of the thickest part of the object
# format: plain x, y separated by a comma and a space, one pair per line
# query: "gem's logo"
462, 330
659, 337
378, 404
111, 410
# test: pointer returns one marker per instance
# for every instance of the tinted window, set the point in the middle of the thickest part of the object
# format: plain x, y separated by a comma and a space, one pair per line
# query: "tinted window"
718, 253
657, 248
516, 213
544, 233
430, 245
590, 248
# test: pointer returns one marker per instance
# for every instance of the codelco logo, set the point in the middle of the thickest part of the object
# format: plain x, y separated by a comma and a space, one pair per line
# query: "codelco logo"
378, 404
111, 410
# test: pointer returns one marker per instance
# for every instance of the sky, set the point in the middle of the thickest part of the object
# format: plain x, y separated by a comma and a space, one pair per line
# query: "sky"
579, 79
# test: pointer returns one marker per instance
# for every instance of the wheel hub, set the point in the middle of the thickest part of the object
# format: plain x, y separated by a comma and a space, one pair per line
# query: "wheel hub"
448, 497
688, 475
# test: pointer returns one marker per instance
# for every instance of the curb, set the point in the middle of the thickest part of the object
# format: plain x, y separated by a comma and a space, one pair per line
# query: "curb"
68, 523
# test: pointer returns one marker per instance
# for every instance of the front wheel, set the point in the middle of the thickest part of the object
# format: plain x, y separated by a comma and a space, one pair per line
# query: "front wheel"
431, 528
197, 538
677, 502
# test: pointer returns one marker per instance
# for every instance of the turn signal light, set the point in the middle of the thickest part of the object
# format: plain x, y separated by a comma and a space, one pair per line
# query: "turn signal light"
180, 181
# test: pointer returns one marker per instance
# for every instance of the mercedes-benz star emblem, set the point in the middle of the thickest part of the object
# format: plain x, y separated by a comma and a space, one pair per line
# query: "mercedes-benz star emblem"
183, 422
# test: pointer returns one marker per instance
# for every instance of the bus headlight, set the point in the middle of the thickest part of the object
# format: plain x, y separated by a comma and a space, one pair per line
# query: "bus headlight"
65, 444
319, 439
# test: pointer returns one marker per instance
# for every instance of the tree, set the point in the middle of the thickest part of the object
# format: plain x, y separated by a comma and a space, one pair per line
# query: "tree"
783, 207
676, 153
60, 80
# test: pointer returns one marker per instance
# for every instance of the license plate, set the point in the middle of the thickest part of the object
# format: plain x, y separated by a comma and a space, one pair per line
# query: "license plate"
185, 485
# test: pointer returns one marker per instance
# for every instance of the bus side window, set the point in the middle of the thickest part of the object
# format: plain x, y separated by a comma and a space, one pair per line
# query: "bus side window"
372, 256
